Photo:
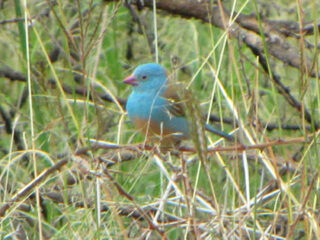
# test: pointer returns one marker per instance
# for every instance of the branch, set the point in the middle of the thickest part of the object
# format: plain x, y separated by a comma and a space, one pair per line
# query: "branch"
96, 144
285, 91
17, 136
277, 46
31, 186
12, 74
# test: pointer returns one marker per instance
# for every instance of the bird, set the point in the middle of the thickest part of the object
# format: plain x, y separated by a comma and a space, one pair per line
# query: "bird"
156, 108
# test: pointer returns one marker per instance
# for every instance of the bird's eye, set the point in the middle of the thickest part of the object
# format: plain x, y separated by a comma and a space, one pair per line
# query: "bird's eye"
144, 77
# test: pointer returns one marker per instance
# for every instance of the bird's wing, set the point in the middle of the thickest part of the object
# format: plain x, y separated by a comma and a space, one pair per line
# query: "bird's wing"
180, 99
177, 99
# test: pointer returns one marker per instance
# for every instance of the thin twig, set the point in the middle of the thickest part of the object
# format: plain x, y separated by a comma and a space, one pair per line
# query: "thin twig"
30, 187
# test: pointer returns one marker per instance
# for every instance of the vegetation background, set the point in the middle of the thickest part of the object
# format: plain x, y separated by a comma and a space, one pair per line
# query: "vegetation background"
72, 166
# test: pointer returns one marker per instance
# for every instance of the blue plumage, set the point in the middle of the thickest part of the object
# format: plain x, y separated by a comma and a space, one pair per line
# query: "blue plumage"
150, 106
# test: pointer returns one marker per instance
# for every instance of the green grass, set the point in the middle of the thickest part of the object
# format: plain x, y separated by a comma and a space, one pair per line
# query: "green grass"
228, 82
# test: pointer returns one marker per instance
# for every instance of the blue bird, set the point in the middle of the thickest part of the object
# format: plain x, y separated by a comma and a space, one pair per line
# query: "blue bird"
155, 107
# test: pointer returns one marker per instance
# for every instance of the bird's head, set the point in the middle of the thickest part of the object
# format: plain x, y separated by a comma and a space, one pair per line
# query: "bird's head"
147, 77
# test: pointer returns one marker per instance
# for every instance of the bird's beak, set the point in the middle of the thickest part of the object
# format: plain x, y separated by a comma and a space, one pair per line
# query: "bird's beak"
131, 80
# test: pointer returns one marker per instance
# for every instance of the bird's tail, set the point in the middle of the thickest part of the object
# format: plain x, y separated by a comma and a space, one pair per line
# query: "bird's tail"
219, 133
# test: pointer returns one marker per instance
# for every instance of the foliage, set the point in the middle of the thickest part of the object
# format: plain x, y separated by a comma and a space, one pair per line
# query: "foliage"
73, 167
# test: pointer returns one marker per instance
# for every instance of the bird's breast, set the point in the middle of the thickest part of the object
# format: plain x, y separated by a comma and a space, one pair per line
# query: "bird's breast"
149, 111
145, 106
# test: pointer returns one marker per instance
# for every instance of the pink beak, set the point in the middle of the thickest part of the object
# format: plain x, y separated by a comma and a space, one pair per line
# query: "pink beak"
131, 80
